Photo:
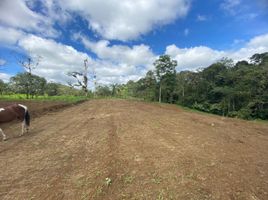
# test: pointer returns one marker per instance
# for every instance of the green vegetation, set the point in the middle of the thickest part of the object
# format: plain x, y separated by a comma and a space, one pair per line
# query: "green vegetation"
25, 86
65, 98
224, 88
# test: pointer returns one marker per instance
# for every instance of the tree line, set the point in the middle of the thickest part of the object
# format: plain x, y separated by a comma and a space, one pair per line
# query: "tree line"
33, 86
224, 88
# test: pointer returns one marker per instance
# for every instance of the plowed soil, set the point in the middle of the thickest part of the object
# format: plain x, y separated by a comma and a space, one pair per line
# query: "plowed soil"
118, 149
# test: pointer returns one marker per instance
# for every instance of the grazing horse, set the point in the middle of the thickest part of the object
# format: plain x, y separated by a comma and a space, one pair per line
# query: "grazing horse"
12, 112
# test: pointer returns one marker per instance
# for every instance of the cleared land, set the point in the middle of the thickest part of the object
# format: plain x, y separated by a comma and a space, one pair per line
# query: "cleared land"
117, 149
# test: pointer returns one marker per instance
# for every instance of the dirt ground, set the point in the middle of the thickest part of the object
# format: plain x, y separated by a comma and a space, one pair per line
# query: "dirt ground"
118, 149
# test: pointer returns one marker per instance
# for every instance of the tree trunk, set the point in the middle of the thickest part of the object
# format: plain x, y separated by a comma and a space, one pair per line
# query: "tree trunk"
85, 78
160, 90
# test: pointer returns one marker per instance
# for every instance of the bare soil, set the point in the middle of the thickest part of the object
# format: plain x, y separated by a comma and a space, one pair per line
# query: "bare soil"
118, 149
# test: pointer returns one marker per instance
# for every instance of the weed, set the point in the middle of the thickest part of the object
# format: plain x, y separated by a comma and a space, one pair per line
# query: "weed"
128, 179
108, 181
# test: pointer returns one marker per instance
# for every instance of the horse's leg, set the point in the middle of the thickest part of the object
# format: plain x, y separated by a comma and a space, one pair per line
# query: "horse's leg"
4, 136
22, 128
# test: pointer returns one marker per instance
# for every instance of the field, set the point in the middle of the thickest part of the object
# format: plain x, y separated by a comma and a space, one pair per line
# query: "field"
119, 149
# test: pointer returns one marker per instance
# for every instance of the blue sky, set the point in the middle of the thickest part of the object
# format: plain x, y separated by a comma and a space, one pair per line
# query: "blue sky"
121, 39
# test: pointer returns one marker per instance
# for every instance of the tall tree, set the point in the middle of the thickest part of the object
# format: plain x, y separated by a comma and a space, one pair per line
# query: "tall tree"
166, 75
29, 64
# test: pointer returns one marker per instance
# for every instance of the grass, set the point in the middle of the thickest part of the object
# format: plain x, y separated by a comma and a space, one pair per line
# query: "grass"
64, 98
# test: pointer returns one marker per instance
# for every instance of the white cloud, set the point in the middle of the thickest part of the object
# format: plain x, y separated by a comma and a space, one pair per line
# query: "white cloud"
56, 13
128, 19
119, 61
193, 58
10, 36
257, 44
59, 59
202, 56
56, 59
18, 15
5, 77
2, 62
137, 55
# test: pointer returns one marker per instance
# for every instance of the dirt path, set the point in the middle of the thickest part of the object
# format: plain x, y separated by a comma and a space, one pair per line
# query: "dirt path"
116, 149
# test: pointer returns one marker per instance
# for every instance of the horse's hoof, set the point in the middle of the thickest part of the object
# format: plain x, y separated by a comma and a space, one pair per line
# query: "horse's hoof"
4, 139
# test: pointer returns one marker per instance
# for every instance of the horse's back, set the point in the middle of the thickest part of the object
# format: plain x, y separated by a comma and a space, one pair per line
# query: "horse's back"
8, 113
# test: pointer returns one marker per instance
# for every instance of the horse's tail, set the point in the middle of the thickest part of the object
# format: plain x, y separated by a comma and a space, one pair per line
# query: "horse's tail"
27, 118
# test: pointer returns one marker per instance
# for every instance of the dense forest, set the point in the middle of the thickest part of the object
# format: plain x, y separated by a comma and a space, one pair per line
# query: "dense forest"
224, 88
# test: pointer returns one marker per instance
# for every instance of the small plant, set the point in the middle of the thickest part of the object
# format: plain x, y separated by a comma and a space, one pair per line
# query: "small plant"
156, 179
161, 195
98, 173
128, 179
99, 190
108, 181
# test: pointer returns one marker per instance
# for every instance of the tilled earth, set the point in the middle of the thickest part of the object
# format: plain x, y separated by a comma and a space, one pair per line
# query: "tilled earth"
118, 149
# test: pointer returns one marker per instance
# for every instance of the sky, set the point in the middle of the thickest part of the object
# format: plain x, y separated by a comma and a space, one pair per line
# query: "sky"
122, 39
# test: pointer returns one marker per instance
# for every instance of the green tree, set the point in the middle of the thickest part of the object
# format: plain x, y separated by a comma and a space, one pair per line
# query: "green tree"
150, 86
34, 87
3, 87
52, 89
103, 91
166, 75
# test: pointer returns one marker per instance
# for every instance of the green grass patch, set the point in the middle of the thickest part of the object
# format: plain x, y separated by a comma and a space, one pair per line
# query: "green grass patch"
64, 98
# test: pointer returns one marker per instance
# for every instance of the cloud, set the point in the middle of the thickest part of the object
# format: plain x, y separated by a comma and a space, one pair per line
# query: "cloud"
10, 36
201, 18
193, 58
230, 6
112, 19
138, 55
126, 20
2, 62
243, 9
5, 77
58, 59
119, 62
18, 15
202, 56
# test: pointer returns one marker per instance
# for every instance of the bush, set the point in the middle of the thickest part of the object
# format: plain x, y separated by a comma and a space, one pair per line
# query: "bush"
202, 107
232, 114
244, 113
216, 108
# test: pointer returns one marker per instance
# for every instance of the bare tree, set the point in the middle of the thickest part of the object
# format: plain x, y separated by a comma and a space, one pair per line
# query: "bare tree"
29, 64
81, 75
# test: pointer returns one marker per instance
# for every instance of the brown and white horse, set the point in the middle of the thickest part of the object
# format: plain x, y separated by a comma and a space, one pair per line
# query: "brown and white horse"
13, 112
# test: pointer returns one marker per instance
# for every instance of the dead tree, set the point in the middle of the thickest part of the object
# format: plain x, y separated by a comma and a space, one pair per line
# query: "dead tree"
29, 64
81, 75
